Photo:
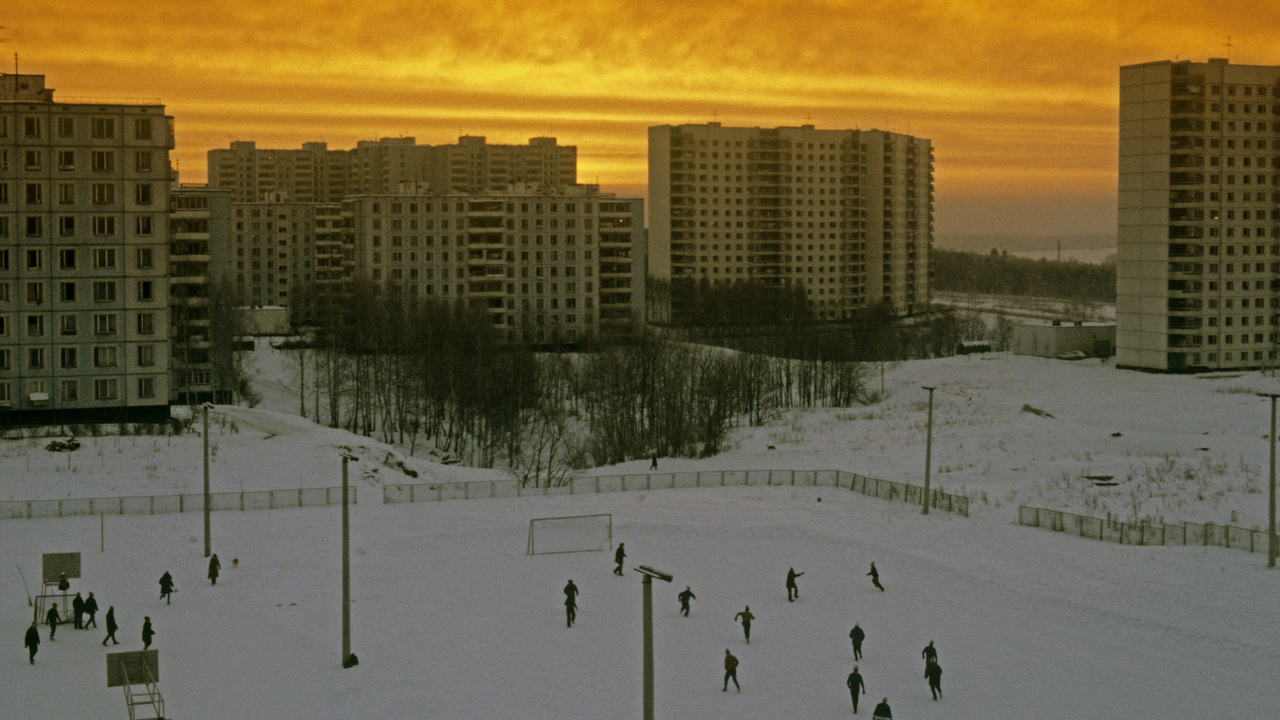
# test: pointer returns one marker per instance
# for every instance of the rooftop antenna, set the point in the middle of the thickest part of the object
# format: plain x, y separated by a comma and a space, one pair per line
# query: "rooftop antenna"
1228, 46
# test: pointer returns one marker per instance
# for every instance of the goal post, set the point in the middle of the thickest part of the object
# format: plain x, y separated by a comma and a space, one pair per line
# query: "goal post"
573, 533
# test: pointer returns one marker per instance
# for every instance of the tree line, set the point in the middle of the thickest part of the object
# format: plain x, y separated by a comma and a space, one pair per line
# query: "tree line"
1000, 274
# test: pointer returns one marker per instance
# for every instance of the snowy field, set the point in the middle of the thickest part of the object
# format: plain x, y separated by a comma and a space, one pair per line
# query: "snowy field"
452, 620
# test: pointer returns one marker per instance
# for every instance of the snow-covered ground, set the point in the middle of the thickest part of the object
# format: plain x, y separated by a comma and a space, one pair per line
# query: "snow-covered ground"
452, 620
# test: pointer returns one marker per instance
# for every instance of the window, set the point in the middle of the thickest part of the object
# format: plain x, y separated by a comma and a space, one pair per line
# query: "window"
67, 292
67, 325
35, 259
146, 290
104, 225
146, 388
104, 193
32, 127
35, 326
4, 325
142, 161
146, 355
106, 389
6, 389
103, 128
4, 193
104, 324
142, 128
4, 292
35, 293
105, 356
146, 324
66, 127
67, 193
67, 225
4, 363
145, 258
67, 258
104, 291
144, 194
66, 159
34, 193
67, 358
35, 226
104, 161
33, 159
104, 258
143, 224
35, 358
70, 390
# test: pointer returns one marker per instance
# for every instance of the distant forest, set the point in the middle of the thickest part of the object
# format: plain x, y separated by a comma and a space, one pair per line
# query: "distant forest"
1000, 274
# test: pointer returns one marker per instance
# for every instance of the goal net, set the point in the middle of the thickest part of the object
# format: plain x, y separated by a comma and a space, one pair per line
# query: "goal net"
576, 533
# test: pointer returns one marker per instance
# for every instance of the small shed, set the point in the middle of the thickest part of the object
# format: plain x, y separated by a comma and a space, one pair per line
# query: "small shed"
1054, 338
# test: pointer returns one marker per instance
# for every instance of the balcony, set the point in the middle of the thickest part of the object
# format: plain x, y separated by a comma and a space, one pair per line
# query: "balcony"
1184, 305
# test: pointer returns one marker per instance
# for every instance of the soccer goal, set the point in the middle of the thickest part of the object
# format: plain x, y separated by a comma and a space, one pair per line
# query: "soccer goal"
576, 533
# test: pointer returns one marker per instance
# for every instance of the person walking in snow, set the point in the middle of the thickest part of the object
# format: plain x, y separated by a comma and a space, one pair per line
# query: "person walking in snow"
857, 636
53, 618
854, 682
793, 590
875, 577
617, 557
90, 610
929, 653
111, 626
685, 596
654, 465
730, 671
214, 566
147, 633
166, 587
77, 612
746, 617
882, 711
933, 673
32, 642
570, 603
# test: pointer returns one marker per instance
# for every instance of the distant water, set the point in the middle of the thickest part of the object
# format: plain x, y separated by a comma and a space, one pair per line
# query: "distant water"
1092, 256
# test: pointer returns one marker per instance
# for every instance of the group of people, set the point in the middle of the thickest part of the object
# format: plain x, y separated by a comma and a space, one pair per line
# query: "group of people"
932, 673
84, 613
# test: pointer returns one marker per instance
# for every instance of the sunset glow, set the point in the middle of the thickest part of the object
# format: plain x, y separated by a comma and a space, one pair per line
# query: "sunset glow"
1019, 99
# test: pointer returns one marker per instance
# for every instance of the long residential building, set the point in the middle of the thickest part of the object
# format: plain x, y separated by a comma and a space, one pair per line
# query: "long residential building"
845, 214
84, 257
315, 173
1199, 216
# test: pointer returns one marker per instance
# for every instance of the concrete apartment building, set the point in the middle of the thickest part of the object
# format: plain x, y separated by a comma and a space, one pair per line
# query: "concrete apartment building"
1199, 216
278, 244
847, 214
199, 221
314, 173
84, 256
558, 266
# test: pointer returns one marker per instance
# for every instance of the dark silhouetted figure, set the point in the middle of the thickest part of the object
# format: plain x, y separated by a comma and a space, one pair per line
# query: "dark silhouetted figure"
77, 612
166, 587
112, 627
53, 618
90, 610
214, 567
747, 617
929, 653
654, 465
793, 591
854, 682
32, 642
857, 636
882, 711
685, 596
63, 583
570, 603
147, 633
875, 577
730, 671
933, 673
617, 557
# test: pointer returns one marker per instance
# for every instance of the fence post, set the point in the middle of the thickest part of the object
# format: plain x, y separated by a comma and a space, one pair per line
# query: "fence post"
466, 490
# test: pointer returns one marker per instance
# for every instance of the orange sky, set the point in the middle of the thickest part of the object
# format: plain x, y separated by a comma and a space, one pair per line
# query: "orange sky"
1019, 99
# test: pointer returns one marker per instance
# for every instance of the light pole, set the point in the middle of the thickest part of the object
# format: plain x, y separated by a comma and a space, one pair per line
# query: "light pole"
208, 538
1271, 496
346, 569
649, 574
928, 451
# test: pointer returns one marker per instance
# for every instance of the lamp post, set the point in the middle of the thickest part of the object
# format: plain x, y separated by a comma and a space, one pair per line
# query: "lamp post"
208, 538
1271, 496
928, 451
649, 574
346, 568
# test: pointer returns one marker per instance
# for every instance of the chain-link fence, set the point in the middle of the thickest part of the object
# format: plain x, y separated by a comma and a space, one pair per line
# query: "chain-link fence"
186, 502
1187, 533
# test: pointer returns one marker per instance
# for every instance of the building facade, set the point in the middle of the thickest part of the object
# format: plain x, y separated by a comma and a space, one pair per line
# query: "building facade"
846, 214
314, 173
84, 254
1199, 216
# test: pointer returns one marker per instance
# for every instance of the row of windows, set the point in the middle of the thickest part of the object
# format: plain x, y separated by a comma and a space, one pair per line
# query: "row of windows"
69, 324
103, 357
397, 208
101, 258
68, 193
68, 292
68, 159
104, 389
66, 128
33, 226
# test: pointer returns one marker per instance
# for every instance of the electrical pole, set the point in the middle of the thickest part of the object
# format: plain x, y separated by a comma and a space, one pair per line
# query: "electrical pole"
208, 540
928, 452
346, 570
649, 574
1271, 496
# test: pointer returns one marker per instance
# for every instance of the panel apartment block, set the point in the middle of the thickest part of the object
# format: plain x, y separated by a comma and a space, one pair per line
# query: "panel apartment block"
550, 268
84, 190
847, 214
279, 247
1199, 216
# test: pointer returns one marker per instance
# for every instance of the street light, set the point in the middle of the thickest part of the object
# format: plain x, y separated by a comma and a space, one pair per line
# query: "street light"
346, 568
928, 451
649, 574
1271, 497
208, 539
